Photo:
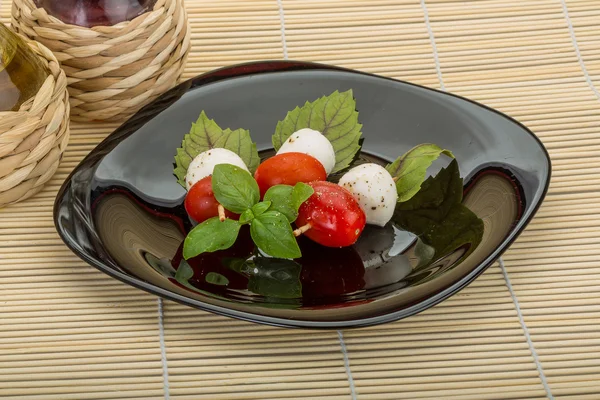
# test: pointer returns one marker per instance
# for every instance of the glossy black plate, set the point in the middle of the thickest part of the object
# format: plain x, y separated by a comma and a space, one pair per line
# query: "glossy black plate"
121, 208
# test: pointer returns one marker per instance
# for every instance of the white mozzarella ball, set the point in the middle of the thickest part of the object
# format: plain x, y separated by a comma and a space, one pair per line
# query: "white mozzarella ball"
374, 189
313, 143
204, 163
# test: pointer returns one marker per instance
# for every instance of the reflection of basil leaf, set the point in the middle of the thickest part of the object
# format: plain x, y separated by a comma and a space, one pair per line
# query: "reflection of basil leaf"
424, 253
184, 273
234, 188
287, 199
272, 277
437, 216
411, 168
273, 234
209, 236
205, 135
216, 279
335, 116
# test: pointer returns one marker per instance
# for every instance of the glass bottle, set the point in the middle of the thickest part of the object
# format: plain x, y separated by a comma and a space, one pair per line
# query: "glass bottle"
91, 13
22, 73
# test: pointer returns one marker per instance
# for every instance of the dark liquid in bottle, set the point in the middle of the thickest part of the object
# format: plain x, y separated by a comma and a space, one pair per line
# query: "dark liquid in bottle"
91, 13
21, 71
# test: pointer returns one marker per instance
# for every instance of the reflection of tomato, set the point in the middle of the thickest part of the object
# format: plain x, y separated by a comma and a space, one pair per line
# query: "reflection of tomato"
335, 217
215, 262
288, 169
329, 273
200, 202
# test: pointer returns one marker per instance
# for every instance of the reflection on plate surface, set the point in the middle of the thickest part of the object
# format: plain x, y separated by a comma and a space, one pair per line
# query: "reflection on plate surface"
121, 210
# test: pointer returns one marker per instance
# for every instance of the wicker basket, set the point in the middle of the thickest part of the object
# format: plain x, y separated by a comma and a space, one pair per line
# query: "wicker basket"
33, 139
113, 71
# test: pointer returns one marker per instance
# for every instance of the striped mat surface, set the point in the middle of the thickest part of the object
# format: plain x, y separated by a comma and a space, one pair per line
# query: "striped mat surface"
527, 328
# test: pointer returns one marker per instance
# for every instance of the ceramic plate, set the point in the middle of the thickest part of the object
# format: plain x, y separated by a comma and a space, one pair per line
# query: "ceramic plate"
121, 208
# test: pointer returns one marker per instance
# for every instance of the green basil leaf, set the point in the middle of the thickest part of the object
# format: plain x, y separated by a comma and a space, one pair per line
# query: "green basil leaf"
300, 194
211, 235
335, 116
437, 194
411, 168
280, 197
234, 188
287, 199
273, 234
260, 208
204, 135
246, 216
437, 216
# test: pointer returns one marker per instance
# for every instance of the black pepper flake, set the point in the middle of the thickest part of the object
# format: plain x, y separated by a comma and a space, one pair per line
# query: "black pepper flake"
373, 208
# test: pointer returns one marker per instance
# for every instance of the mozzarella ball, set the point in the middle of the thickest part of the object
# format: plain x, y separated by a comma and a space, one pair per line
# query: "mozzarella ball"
204, 163
313, 143
374, 189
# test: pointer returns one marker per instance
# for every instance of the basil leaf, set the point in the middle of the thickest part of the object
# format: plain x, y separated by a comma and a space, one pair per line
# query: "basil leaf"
256, 210
246, 216
260, 208
211, 235
280, 197
287, 199
204, 135
273, 234
437, 194
234, 188
300, 194
411, 168
437, 216
335, 116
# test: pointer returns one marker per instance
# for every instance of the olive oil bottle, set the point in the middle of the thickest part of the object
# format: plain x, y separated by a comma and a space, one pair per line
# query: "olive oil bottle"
22, 73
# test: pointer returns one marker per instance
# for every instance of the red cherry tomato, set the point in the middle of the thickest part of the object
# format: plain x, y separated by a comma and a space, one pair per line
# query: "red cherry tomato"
200, 202
288, 169
336, 219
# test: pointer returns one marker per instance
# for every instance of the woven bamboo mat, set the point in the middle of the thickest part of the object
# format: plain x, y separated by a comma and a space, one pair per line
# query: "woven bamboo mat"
527, 328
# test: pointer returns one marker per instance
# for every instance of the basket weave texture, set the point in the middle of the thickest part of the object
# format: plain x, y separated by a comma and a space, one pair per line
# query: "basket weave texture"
33, 139
113, 71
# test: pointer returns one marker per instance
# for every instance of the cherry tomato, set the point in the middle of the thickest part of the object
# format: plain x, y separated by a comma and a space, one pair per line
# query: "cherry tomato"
335, 218
200, 202
288, 169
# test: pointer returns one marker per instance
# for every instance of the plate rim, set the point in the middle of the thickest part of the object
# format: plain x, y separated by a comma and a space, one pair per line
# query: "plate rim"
272, 66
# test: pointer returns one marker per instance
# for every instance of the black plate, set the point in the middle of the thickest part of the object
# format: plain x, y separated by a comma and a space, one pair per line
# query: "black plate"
121, 208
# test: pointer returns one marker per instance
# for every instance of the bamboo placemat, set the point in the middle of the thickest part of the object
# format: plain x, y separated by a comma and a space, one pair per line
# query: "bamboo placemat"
527, 328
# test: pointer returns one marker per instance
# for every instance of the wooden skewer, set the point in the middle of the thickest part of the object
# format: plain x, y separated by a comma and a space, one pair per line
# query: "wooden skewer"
221, 210
302, 229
